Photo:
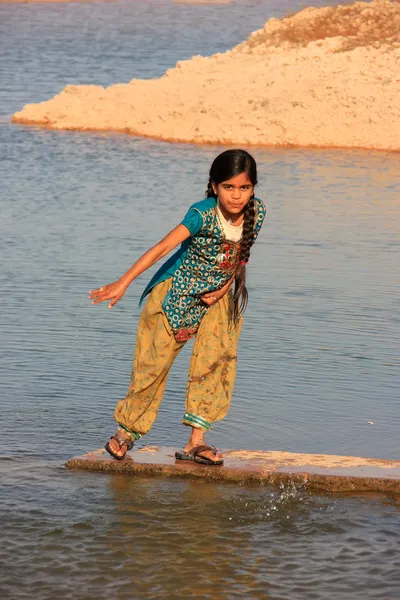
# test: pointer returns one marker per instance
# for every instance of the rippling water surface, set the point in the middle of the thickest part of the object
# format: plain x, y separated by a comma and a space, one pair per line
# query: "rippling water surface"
318, 356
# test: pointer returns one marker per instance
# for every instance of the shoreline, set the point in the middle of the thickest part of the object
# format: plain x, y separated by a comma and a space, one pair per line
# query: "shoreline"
225, 144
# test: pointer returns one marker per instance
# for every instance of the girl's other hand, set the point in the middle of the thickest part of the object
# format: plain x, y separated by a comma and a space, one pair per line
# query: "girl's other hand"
112, 291
212, 297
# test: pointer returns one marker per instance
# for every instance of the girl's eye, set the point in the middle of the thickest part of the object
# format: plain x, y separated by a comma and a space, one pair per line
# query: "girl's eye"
229, 187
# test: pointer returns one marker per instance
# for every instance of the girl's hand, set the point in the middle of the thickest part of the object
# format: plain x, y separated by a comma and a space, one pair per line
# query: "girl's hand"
212, 297
112, 291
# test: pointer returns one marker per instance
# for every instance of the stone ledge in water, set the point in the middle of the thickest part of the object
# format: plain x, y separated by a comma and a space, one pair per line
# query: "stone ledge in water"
319, 472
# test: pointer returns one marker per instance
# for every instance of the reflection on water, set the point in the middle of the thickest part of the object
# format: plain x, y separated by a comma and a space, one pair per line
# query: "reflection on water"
318, 354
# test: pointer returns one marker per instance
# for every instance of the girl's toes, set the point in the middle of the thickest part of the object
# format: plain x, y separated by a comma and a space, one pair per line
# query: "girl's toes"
115, 447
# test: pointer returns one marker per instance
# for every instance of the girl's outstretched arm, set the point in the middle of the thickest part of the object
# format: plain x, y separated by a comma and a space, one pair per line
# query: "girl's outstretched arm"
114, 291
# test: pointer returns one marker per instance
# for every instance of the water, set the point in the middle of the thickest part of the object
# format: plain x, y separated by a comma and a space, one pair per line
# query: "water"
318, 356
93, 536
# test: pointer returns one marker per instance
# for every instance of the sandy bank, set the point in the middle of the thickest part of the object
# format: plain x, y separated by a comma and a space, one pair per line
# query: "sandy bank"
325, 77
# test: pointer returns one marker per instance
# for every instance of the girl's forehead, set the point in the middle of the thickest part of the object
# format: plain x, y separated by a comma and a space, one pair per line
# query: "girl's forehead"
241, 179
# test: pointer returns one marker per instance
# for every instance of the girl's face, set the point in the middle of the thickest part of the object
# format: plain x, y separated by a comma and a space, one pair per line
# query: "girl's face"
234, 194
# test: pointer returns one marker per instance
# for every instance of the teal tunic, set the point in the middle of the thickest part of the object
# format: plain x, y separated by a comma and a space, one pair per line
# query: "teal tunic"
204, 263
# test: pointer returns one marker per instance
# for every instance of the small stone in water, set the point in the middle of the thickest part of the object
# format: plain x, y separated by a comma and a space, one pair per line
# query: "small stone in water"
370, 422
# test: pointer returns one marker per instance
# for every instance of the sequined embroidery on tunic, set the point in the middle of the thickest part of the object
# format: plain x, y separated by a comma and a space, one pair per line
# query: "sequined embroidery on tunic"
207, 265
229, 256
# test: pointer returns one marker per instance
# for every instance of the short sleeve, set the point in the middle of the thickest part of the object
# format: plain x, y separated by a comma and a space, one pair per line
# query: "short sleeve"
261, 211
193, 221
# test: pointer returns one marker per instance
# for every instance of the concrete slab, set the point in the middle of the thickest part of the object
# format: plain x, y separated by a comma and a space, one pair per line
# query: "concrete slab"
320, 472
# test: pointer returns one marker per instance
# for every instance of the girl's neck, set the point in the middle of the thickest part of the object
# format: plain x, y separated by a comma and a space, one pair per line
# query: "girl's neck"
233, 219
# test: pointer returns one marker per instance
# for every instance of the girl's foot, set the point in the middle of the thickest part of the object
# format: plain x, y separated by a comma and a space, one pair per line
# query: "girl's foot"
197, 440
203, 454
119, 444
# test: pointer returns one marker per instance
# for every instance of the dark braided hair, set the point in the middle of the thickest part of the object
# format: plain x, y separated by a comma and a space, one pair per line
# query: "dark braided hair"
227, 165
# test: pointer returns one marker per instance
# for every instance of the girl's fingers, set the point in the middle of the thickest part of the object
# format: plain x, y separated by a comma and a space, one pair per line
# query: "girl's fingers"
209, 301
99, 300
210, 296
108, 297
104, 289
114, 301
103, 295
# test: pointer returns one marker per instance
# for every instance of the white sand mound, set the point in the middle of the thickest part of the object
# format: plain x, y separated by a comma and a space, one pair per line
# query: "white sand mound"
322, 77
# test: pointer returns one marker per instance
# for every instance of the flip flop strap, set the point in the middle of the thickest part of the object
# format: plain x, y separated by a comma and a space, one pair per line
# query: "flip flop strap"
199, 449
122, 441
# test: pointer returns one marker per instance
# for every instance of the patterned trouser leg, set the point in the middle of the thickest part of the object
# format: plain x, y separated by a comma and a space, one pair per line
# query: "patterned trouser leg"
156, 350
212, 368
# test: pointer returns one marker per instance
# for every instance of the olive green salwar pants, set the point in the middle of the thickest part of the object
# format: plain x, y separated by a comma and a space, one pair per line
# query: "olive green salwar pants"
212, 369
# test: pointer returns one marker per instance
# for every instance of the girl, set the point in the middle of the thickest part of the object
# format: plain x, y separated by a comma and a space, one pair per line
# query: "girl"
190, 296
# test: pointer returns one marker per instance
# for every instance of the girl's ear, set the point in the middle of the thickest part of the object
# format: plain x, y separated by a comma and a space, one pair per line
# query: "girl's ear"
214, 187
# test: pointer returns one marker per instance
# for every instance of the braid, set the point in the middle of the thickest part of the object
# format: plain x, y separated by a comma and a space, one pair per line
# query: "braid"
240, 296
209, 191
248, 230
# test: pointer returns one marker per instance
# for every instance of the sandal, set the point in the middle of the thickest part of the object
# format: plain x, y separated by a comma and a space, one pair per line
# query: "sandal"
194, 455
123, 443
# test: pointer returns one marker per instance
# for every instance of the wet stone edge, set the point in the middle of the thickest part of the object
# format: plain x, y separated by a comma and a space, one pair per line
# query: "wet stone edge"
313, 482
